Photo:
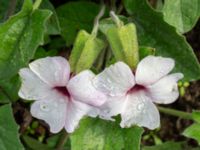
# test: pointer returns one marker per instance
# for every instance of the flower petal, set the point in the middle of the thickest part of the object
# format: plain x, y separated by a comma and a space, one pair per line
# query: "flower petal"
54, 71
165, 91
153, 68
75, 111
82, 89
139, 110
52, 111
115, 80
112, 107
32, 87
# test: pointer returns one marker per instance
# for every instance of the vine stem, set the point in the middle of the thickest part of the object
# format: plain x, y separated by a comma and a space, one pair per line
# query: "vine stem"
62, 141
176, 113
115, 18
96, 22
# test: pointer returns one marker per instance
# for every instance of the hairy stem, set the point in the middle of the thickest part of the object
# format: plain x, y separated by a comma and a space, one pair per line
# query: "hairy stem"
177, 113
96, 22
115, 18
62, 141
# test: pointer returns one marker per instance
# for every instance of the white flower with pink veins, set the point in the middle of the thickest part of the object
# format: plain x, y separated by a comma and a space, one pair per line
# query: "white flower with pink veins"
132, 94
61, 100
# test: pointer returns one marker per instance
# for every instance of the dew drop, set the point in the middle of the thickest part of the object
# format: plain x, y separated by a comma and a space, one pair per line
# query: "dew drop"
44, 107
140, 106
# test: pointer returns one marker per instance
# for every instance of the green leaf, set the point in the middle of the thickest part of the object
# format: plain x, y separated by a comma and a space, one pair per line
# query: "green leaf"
103, 135
3, 97
11, 87
41, 53
51, 144
153, 31
53, 25
6, 9
182, 14
170, 146
193, 132
34, 144
20, 36
56, 43
54, 140
145, 51
196, 116
9, 137
73, 17
3, 7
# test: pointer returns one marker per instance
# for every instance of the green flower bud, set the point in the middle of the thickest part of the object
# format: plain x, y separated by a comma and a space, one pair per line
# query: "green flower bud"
180, 83
85, 51
124, 43
182, 91
186, 84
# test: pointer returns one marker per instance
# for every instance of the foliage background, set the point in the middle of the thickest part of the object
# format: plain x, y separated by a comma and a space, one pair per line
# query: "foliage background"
169, 26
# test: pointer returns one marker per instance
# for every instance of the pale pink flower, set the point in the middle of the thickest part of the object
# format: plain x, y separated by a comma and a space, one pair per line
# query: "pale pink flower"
61, 101
132, 94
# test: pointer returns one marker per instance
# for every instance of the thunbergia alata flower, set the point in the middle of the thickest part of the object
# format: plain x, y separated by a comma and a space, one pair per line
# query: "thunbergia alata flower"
61, 100
132, 94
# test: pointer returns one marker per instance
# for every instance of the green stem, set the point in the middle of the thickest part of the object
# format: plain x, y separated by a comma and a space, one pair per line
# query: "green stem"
176, 113
36, 4
62, 141
96, 22
116, 19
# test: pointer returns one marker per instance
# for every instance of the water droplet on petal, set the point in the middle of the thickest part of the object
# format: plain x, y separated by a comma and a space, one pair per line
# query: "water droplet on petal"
44, 107
140, 106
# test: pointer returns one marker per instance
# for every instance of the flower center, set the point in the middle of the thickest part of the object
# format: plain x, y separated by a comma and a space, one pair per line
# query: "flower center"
136, 88
62, 90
